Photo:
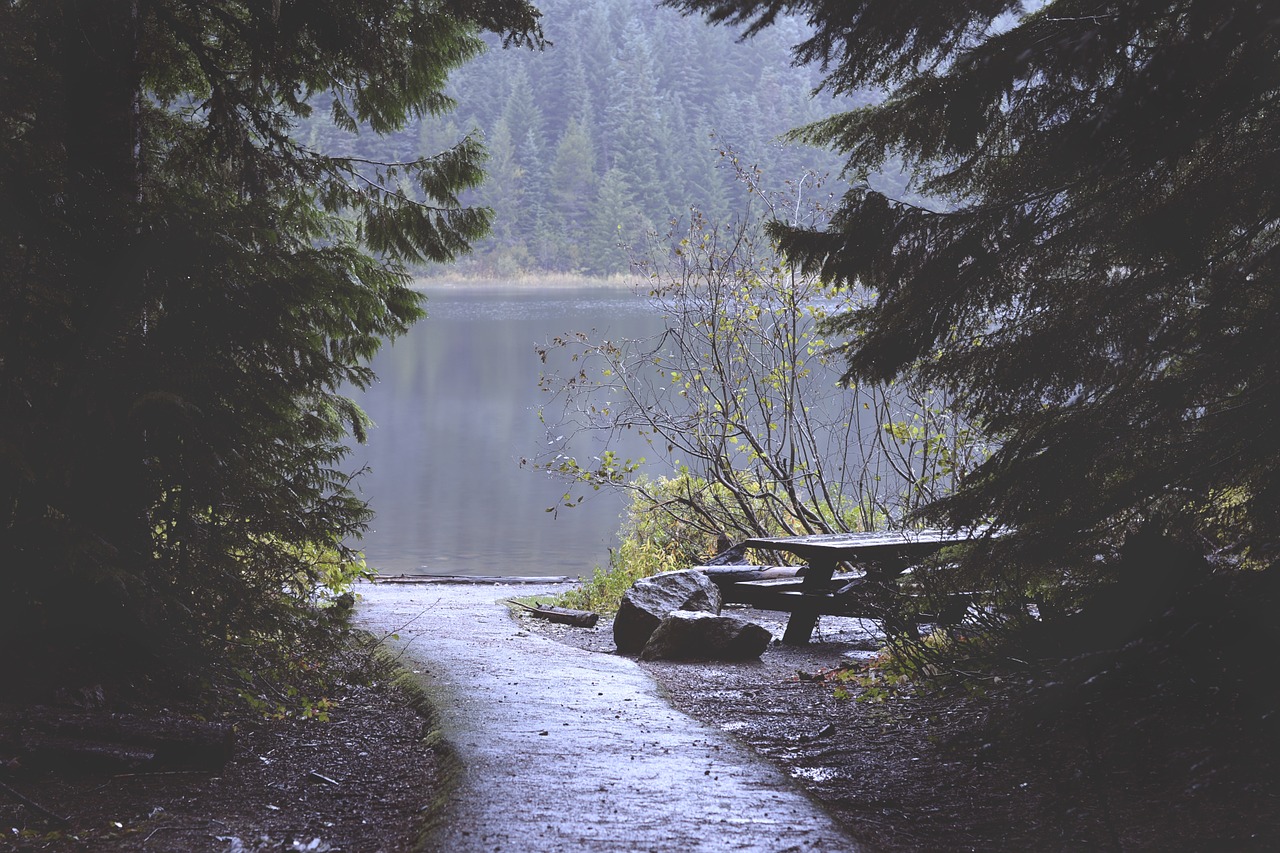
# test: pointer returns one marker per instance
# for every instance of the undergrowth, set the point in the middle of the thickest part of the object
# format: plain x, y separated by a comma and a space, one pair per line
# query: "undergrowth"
940, 658
652, 542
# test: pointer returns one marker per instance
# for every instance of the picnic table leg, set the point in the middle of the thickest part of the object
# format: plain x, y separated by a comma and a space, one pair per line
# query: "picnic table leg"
800, 625
805, 614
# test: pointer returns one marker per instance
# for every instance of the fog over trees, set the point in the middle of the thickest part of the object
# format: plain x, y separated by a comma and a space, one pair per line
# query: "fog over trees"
613, 130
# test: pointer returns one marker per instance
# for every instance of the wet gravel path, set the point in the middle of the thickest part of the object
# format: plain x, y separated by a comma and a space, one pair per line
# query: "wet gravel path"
566, 750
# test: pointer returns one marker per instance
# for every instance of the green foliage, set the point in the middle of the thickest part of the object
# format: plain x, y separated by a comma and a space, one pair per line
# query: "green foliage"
280, 677
1224, 518
1100, 287
186, 288
653, 540
603, 592
325, 571
905, 665
302, 673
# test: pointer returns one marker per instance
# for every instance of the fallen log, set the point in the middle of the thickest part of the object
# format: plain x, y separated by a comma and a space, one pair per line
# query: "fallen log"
721, 575
43, 737
562, 615
729, 555
39, 751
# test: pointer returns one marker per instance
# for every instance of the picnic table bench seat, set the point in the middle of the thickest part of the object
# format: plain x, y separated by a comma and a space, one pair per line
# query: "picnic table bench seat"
817, 590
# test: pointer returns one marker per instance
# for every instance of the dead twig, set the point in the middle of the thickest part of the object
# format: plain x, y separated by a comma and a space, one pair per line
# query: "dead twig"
34, 806
159, 773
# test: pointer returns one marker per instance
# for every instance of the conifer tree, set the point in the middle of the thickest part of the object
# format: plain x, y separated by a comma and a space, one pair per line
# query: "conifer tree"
1098, 278
709, 183
185, 287
614, 216
572, 177
523, 117
632, 119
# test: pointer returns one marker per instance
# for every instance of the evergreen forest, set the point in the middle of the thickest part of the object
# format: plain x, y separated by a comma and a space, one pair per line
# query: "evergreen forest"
212, 215
627, 120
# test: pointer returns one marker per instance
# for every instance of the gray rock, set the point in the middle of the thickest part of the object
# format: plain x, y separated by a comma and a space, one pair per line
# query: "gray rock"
705, 636
650, 599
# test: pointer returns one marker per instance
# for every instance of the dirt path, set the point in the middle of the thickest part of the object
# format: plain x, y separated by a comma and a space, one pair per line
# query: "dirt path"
560, 749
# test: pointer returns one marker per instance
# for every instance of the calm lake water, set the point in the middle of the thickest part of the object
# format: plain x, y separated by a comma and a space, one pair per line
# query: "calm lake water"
456, 409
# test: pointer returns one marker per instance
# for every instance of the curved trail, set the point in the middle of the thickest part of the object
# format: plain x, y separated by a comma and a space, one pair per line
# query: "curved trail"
566, 750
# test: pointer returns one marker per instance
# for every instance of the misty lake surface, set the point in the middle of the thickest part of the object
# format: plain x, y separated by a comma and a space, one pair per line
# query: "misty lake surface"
456, 408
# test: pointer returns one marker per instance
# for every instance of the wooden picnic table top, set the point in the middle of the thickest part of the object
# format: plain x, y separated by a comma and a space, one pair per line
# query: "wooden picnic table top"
883, 556
840, 547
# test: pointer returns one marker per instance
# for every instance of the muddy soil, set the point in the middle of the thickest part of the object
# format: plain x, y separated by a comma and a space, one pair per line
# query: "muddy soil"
363, 781
1138, 758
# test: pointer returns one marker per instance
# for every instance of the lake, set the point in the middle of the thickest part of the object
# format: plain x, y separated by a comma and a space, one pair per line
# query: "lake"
456, 408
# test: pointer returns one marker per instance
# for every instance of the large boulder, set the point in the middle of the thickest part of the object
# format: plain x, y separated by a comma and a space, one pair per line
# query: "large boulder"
705, 636
650, 599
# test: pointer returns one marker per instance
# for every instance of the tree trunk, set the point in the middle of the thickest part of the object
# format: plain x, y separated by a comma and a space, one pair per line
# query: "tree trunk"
721, 575
106, 491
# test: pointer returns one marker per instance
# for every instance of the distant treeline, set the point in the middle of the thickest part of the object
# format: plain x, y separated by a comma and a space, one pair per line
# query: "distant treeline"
613, 131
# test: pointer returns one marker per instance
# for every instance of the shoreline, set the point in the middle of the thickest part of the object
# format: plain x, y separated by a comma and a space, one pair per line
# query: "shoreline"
527, 281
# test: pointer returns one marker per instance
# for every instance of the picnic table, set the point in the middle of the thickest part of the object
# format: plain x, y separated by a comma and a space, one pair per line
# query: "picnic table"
881, 556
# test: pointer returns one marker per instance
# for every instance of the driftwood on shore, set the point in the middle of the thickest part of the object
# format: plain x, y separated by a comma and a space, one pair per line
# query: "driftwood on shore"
497, 580
721, 575
562, 615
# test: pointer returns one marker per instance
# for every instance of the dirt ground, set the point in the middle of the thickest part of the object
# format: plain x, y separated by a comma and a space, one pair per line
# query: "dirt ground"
1152, 748
363, 781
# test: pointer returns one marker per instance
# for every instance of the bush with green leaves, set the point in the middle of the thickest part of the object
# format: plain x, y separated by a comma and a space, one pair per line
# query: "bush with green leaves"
653, 540
739, 399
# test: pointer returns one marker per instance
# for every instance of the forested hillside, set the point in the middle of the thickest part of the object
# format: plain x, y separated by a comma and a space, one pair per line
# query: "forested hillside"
612, 130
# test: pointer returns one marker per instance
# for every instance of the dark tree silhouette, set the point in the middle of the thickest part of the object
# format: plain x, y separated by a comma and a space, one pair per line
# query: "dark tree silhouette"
184, 289
1098, 282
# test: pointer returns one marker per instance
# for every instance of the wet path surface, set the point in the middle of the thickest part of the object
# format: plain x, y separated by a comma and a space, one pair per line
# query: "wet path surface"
566, 750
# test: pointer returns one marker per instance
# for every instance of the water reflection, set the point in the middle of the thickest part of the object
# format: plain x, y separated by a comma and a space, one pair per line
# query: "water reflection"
456, 409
